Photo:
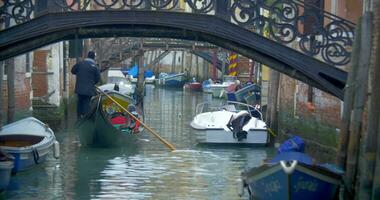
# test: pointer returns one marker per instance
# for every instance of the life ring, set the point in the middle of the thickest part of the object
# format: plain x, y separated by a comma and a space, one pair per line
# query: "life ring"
289, 169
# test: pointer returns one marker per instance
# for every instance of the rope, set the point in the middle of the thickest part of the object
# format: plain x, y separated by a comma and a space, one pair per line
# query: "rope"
167, 144
36, 156
272, 132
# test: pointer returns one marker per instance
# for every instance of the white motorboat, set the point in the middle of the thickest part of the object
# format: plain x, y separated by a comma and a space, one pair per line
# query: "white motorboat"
150, 80
118, 82
233, 123
29, 141
218, 89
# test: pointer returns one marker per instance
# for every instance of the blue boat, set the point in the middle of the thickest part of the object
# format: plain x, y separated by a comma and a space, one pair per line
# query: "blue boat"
172, 80
292, 175
29, 141
249, 93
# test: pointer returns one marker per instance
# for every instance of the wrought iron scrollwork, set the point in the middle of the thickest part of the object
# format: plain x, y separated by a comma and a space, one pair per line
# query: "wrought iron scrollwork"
317, 33
16, 11
117, 4
291, 22
201, 6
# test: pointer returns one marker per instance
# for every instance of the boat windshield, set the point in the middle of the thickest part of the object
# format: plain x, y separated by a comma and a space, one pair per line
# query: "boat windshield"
117, 80
231, 106
229, 78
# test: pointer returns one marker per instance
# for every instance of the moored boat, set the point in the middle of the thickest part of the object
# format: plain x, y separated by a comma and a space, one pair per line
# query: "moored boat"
172, 80
193, 86
29, 141
291, 179
107, 124
116, 80
249, 93
223, 125
218, 89
206, 86
150, 80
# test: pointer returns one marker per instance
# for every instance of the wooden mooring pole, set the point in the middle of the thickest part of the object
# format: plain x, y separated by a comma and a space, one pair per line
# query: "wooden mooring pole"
373, 145
272, 114
348, 102
368, 156
361, 88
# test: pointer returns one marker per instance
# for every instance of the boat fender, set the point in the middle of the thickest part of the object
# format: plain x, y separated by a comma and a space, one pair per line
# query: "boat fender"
36, 156
56, 150
240, 187
288, 169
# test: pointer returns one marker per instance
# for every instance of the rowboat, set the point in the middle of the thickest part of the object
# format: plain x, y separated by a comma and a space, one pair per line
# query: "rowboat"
292, 175
6, 165
29, 141
108, 125
194, 86
222, 124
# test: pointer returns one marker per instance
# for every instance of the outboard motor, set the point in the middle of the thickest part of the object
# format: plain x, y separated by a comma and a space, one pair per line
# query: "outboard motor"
236, 124
116, 87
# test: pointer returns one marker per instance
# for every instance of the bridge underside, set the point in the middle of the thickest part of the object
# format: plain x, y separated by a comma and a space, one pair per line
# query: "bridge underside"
55, 27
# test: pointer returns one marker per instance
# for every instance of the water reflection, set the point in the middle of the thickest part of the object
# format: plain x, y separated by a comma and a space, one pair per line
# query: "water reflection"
149, 172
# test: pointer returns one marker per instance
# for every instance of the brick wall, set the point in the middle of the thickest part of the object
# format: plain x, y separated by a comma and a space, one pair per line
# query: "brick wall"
22, 88
22, 95
297, 117
39, 76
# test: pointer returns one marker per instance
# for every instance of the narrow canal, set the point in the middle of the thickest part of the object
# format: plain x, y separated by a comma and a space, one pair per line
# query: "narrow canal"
148, 172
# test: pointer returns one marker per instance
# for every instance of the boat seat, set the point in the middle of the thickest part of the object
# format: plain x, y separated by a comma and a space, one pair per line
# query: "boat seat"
118, 120
19, 140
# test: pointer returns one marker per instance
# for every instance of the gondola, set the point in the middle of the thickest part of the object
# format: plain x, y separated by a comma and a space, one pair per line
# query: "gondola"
108, 125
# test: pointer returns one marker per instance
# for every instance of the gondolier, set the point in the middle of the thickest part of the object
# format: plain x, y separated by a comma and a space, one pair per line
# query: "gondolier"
87, 75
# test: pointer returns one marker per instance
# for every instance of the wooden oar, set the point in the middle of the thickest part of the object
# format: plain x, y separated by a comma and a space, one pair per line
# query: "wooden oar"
167, 144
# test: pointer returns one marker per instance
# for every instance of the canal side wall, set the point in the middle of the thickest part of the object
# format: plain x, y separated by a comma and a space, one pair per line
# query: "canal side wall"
23, 87
317, 122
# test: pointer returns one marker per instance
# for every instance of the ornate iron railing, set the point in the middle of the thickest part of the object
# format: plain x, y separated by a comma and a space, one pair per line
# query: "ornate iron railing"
291, 22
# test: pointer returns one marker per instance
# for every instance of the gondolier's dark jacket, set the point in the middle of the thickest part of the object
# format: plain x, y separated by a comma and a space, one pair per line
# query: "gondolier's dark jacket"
87, 75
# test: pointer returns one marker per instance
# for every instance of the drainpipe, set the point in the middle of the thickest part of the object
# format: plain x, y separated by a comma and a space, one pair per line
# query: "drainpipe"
1, 93
11, 89
214, 65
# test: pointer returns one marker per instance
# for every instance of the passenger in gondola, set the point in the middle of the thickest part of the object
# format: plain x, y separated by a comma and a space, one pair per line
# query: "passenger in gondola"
133, 124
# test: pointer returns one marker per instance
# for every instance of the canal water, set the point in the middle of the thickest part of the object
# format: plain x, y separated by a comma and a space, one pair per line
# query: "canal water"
150, 171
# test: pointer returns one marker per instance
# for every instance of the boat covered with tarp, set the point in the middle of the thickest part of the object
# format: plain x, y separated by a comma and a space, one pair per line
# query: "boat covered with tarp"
107, 124
292, 174
29, 141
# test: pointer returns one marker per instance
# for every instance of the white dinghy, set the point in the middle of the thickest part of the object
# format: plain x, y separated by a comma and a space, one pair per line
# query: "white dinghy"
233, 123
29, 141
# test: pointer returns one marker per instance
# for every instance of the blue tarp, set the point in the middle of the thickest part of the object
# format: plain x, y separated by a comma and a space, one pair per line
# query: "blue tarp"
293, 144
134, 71
148, 73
